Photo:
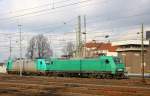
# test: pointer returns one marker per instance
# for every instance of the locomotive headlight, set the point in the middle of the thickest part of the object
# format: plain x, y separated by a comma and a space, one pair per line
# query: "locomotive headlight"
119, 69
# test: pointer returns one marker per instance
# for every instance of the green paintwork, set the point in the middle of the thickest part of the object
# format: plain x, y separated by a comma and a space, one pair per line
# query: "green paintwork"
40, 65
119, 65
64, 65
9, 64
98, 64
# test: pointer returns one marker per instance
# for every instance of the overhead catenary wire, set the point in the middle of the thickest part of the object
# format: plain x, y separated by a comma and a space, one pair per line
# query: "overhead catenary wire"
28, 9
120, 18
43, 10
59, 27
88, 31
14, 20
125, 17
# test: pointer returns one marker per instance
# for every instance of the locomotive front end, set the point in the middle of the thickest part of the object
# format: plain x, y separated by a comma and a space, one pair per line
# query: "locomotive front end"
120, 67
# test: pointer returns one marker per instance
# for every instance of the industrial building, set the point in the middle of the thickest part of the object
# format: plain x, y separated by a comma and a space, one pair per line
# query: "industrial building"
147, 35
130, 52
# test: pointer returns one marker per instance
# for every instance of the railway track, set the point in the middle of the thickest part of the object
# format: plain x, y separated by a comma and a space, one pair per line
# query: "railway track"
49, 86
56, 84
77, 88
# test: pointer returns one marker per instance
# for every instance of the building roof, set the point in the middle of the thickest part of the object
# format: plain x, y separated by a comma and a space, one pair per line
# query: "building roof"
102, 46
129, 42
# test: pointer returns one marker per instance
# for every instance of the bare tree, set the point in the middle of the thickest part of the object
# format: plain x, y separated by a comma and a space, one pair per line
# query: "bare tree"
68, 49
39, 47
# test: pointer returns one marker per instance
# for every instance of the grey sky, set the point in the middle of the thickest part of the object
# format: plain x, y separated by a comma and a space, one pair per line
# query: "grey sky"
121, 17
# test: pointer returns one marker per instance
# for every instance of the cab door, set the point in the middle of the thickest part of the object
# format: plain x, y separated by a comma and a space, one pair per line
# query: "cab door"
41, 65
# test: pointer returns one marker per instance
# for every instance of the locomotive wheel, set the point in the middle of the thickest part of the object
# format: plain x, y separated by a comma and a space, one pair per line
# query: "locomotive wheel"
109, 76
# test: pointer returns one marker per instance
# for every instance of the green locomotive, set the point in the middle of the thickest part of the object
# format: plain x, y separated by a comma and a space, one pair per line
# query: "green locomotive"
99, 67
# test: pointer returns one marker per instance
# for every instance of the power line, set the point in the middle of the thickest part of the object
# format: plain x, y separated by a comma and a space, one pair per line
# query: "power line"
96, 30
27, 9
43, 10
62, 24
122, 18
51, 12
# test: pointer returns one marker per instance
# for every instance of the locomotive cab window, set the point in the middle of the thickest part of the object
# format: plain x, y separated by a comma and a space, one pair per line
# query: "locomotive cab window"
47, 62
106, 61
41, 62
117, 60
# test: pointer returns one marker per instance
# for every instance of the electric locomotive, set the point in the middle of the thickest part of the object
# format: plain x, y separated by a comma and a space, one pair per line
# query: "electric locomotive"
99, 67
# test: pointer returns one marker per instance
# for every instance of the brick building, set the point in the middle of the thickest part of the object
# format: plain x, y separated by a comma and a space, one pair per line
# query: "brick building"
130, 52
94, 49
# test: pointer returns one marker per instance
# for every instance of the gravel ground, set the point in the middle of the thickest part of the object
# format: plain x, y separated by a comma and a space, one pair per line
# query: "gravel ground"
13, 85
